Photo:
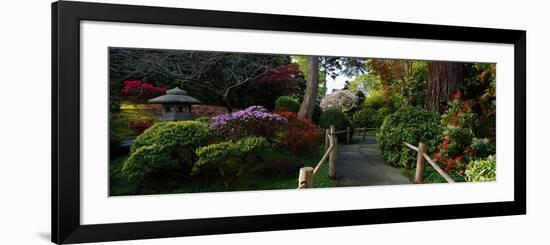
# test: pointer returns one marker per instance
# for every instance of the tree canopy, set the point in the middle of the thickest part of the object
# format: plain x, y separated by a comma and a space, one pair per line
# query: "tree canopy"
213, 77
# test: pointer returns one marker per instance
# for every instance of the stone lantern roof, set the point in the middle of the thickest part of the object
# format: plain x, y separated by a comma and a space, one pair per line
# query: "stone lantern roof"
175, 96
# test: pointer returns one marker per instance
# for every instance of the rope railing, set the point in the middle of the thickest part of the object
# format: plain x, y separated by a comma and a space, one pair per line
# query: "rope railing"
305, 178
423, 157
411, 146
324, 158
348, 132
354, 130
438, 169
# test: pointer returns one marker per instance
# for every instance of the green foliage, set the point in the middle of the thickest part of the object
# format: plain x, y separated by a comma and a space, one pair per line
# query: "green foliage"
375, 108
287, 103
375, 100
221, 152
403, 77
358, 105
409, 124
461, 138
303, 64
458, 123
482, 147
482, 170
381, 114
477, 79
365, 83
370, 118
147, 160
366, 117
205, 120
178, 134
230, 157
317, 111
336, 117
480, 86
119, 123
165, 147
412, 87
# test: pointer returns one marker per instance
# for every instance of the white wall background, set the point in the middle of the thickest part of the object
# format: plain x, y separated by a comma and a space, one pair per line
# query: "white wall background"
25, 121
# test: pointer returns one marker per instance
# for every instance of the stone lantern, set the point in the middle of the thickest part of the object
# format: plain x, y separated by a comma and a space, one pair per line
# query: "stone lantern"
176, 105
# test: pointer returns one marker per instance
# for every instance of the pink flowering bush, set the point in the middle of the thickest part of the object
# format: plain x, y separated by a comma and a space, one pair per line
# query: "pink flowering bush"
341, 99
138, 91
252, 121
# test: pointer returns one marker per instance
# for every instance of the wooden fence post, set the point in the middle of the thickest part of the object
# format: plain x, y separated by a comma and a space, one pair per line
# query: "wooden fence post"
327, 135
306, 177
333, 154
420, 163
348, 135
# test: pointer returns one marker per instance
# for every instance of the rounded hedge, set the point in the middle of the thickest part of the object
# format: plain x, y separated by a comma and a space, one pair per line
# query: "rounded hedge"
164, 147
370, 117
412, 125
287, 103
336, 117
366, 117
204, 120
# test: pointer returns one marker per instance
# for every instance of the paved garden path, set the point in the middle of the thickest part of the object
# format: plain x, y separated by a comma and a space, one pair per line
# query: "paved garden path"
361, 164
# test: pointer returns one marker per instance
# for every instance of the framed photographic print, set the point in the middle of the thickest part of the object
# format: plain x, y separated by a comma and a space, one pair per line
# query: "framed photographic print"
175, 122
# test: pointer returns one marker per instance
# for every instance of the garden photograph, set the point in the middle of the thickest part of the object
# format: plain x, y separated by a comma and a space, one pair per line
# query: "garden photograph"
183, 121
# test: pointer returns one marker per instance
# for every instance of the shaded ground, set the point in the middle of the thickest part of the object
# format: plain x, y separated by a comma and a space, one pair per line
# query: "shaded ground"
361, 164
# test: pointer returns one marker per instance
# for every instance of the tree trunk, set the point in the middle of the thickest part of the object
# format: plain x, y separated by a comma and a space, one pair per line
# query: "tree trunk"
308, 105
227, 104
444, 79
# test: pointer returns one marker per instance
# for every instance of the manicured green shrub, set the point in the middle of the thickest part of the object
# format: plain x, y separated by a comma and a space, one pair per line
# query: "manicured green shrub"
230, 157
338, 118
163, 148
381, 114
375, 108
147, 161
482, 170
370, 117
287, 103
204, 120
412, 125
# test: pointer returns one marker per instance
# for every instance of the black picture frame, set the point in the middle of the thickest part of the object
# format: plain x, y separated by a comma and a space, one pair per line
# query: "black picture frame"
66, 17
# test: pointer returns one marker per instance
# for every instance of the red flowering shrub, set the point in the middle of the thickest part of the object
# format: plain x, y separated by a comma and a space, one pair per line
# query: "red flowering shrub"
299, 134
140, 125
138, 91
286, 73
458, 123
207, 110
